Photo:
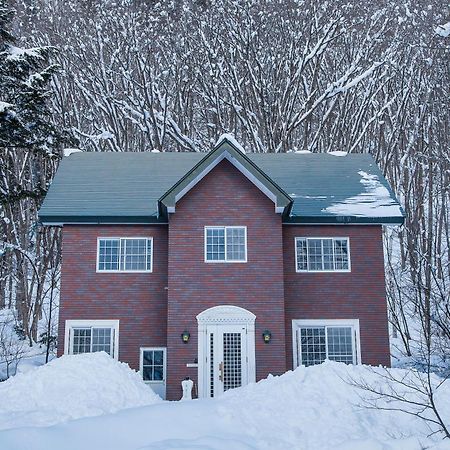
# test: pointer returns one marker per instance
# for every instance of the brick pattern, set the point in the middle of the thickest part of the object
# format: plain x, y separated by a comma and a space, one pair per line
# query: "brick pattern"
359, 294
224, 197
138, 300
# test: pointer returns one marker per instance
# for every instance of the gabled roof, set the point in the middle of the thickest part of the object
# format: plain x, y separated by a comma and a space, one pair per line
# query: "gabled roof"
317, 188
226, 149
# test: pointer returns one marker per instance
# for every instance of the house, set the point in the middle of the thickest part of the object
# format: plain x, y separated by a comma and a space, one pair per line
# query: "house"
223, 267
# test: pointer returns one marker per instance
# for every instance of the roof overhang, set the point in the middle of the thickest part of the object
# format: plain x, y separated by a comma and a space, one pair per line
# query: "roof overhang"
225, 150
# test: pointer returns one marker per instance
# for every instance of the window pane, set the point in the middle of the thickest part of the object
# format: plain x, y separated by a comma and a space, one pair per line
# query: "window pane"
158, 373
134, 254
235, 238
302, 262
340, 346
341, 254
101, 340
158, 357
327, 252
215, 244
81, 340
108, 254
312, 341
315, 254
147, 373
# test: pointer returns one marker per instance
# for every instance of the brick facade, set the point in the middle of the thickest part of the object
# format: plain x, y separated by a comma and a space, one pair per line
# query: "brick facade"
359, 294
155, 308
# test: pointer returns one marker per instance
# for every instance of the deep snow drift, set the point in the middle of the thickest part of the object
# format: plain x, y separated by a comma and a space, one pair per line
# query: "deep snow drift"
69, 388
310, 408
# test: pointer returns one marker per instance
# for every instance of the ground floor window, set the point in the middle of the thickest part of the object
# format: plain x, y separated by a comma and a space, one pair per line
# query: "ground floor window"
88, 336
153, 364
336, 340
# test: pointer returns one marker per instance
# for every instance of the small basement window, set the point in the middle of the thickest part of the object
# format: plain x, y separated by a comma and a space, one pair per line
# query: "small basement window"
92, 336
226, 244
335, 340
153, 364
124, 254
322, 254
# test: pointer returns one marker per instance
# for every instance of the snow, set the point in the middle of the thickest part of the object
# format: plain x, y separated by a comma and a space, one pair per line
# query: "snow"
303, 152
375, 201
104, 135
230, 137
4, 106
69, 151
338, 153
17, 53
443, 30
71, 387
310, 408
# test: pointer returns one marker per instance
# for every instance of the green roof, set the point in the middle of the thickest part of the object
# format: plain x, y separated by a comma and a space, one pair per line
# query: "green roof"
107, 187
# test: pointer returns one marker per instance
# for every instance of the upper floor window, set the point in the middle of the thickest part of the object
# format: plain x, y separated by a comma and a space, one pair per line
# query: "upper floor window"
226, 244
322, 254
124, 255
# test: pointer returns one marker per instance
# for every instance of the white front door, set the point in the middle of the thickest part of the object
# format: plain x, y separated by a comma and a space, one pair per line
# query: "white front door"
226, 362
226, 349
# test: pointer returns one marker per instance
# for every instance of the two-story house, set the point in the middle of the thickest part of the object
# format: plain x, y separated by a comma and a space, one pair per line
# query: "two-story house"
223, 266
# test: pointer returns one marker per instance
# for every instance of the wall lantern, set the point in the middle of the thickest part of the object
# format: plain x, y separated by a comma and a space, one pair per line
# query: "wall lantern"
267, 335
185, 335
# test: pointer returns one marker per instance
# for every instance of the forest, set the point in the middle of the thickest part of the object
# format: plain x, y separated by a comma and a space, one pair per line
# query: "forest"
282, 76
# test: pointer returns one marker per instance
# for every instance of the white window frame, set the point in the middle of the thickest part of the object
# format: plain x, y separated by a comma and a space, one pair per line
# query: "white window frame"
334, 238
71, 324
120, 239
210, 227
299, 323
141, 364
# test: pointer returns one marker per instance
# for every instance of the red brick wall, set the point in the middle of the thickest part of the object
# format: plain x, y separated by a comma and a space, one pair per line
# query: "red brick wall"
224, 197
359, 294
138, 300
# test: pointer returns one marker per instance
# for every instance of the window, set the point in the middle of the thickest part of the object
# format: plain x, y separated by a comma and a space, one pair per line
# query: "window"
322, 254
92, 336
335, 340
124, 255
153, 364
225, 244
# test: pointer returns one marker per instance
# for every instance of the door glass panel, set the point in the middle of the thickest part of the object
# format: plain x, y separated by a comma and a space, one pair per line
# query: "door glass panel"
232, 361
211, 364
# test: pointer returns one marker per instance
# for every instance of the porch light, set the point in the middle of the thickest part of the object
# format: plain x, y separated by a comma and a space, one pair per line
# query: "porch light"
267, 335
185, 335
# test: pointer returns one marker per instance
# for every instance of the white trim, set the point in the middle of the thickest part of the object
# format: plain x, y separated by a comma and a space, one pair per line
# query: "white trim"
225, 237
226, 155
353, 323
114, 238
323, 237
224, 315
71, 324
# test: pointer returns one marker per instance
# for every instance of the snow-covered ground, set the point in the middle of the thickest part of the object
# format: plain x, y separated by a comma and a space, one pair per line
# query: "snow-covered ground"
310, 408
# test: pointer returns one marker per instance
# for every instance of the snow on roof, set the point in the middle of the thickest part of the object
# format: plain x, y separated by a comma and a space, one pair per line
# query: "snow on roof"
69, 151
230, 137
338, 153
376, 201
443, 30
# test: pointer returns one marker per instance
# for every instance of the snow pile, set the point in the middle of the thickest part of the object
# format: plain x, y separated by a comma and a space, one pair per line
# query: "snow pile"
70, 151
5, 106
71, 387
375, 201
443, 30
310, 408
